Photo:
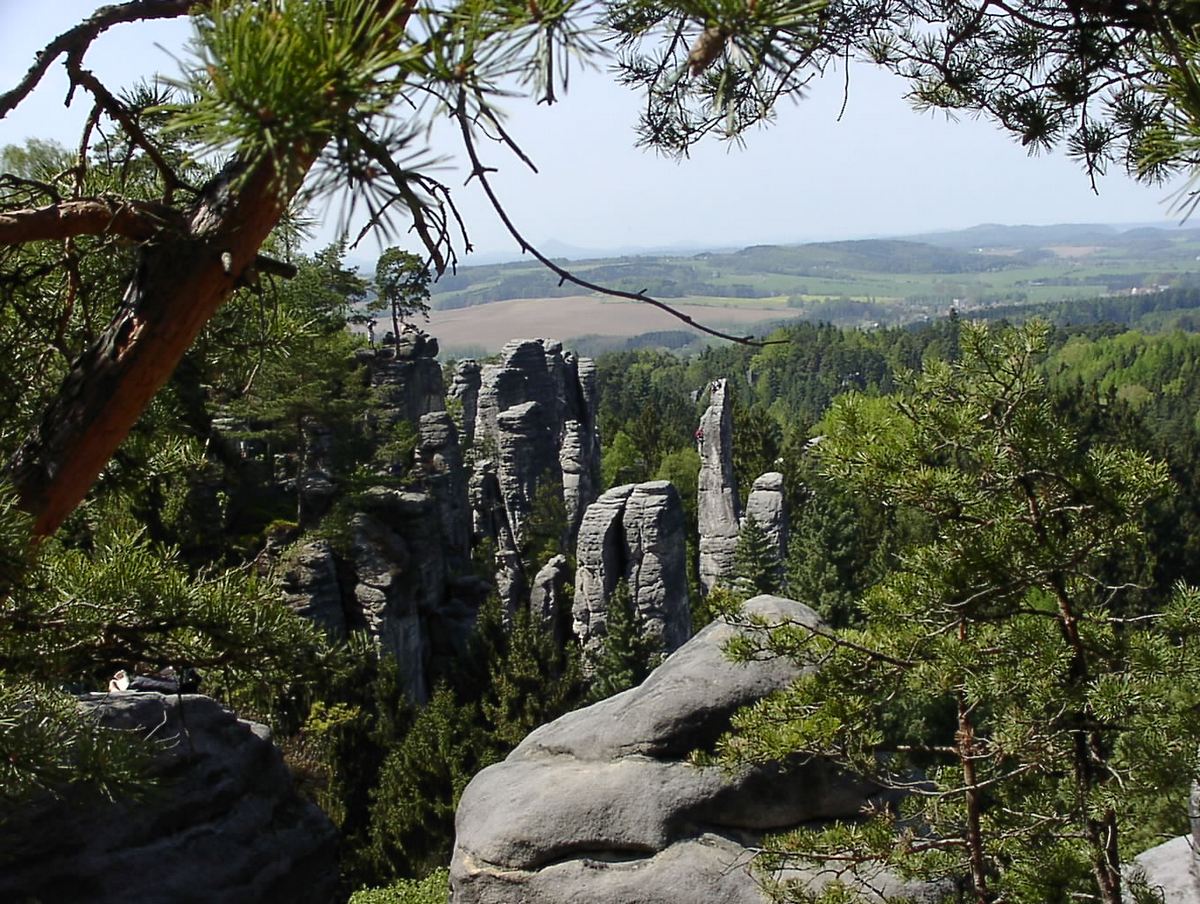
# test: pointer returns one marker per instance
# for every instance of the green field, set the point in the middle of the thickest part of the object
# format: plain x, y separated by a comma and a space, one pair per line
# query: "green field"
871, 281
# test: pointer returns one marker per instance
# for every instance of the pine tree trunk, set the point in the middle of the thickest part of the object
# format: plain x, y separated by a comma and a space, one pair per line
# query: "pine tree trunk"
965, 743
180, 284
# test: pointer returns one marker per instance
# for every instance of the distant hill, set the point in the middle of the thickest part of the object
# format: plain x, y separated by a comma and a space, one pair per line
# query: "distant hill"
849, 283
992, 235
870, 255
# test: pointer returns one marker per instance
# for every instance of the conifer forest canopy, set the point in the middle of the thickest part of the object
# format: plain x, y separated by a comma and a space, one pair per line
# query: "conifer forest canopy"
120, 253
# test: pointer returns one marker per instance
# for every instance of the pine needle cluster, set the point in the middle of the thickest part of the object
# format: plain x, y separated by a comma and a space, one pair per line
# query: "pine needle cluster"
1021, 718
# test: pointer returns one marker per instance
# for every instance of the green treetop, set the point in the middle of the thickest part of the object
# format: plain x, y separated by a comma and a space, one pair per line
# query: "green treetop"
402, 281
1030, 719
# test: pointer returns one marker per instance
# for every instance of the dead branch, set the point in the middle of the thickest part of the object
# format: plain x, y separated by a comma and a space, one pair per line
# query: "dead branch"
479, 171
76, 40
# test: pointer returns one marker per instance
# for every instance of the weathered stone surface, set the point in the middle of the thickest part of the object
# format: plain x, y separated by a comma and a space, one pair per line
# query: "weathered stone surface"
1172, 868
399, 574
536, 415
768, 507
385, 599
490, 522
226, 824
526, 458
634, 533
717, 496
407, 379
547, 599
580, 480
309, 577
656, 553
600, 562
440, 461
464, 388
599, 806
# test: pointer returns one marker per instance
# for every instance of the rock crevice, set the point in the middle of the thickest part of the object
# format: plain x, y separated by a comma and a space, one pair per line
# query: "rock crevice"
634, 533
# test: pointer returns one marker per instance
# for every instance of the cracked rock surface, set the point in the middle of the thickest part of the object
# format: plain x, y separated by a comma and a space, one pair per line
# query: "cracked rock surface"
224, 824
602, 807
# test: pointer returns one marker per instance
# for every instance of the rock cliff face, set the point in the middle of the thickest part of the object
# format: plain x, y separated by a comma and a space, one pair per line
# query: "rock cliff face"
547, 599
628, 819
491, 524
440, 463
395, 579
718, 503
536, 418
767, 506
634, 533
397, 572
225, 825
407, 377
464, 389
1173, 868
313, 588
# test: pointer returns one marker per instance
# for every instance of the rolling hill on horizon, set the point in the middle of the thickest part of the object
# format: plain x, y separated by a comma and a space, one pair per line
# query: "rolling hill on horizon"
863, 282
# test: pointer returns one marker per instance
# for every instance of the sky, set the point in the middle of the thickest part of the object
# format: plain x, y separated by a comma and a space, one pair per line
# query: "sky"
883, 169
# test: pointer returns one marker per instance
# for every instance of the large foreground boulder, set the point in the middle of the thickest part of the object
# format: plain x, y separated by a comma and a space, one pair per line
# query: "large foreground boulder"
602, 806
224, 825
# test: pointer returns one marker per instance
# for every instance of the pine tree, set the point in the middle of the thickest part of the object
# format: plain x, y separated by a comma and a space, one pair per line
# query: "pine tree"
535, 681
625, 655
757, 567
412, 806
1046, 719
402, 284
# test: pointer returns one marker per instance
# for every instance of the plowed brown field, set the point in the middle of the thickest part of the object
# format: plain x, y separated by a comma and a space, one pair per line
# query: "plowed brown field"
491, 325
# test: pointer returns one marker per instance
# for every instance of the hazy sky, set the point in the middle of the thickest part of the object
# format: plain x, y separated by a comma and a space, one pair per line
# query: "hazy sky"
883, 169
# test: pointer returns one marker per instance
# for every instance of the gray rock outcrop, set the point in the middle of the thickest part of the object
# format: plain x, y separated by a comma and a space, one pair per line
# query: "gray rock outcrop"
440, 461
547, 599
536, 418
491, 523
407, 378
634, 533
600, 806
599, 563
656, 552
312, 587
767, 506
717, 497
526, 460
464, 389
390, 584
225, 824
1173, 870
400, 574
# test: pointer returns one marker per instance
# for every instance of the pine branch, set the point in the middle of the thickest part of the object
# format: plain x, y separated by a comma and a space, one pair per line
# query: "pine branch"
135, 220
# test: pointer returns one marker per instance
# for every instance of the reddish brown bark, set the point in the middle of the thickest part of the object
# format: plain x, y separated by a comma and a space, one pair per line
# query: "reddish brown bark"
186, 273
181, 283
137, 220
